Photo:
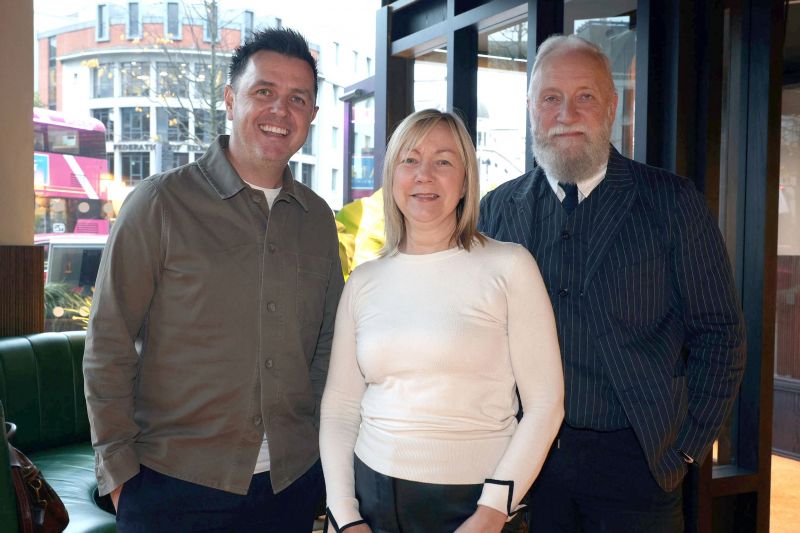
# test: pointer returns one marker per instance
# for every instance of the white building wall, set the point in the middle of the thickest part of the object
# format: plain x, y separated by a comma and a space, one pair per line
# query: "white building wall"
323, 35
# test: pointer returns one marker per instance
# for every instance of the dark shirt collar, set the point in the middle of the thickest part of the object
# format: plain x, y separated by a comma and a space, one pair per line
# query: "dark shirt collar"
220, 174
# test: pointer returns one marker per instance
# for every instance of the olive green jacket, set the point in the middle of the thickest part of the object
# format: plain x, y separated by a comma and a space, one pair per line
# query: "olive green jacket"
211, 325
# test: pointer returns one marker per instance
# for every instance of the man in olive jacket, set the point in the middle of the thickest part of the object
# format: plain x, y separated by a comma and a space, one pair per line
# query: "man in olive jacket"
211, 327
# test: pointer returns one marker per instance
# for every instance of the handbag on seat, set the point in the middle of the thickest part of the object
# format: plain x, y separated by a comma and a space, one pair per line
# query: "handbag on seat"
39, 508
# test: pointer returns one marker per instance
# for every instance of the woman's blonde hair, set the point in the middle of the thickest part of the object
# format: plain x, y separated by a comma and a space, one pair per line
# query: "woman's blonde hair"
408, 135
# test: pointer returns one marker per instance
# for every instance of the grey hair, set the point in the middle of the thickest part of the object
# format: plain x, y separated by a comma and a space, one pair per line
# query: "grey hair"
562, 43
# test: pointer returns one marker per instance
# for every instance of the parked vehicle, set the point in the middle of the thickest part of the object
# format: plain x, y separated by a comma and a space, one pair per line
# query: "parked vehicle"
71, 258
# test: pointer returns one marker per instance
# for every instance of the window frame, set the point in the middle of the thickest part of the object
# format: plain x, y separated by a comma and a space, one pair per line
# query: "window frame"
178, 36
129, 34
102, 28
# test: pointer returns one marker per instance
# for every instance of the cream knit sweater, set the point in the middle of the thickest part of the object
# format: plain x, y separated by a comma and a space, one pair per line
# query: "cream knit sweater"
427, 353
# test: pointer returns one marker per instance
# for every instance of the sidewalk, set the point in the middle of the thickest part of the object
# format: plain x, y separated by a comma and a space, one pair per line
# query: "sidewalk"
784, 512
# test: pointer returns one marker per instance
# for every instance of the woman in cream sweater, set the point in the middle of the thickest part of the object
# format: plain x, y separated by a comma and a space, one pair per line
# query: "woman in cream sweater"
436, 344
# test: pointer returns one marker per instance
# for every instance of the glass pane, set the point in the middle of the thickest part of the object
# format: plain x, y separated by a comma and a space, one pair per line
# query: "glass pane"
786, 422
502, 64
362, 168
430, 80
172, 79
135, 78
612, 27
103, 80
724, 451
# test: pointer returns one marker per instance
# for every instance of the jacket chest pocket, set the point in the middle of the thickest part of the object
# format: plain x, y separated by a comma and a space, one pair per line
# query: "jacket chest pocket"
642, 291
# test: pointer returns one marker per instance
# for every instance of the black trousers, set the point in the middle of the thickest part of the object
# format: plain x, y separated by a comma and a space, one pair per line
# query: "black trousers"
153, 503
391, 505
596, 481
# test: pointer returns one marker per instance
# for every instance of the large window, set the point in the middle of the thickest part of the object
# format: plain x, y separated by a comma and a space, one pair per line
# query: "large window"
135, 123
171, 159
501, 124
172, 79
209, 81
105, 116
173, 124
786, 421
430, 80
135, 167
208, 126
135, 78
103, 80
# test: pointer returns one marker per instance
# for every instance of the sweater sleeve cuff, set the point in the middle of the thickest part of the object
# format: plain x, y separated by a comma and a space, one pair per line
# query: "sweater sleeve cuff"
497, 494
343, 514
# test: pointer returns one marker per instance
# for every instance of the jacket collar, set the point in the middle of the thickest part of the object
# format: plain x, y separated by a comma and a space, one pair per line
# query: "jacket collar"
224, 179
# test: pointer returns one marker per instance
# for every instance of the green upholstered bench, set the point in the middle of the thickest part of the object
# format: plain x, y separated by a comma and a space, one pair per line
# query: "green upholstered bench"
41, 389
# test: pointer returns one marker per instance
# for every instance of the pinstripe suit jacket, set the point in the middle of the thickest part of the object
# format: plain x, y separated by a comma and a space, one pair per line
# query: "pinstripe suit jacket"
660, 309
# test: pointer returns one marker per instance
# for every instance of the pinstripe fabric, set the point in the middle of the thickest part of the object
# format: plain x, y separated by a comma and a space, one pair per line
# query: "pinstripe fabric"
654, 303
563, 242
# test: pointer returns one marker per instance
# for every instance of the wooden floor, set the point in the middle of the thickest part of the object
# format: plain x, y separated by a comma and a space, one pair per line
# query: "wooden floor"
784, 512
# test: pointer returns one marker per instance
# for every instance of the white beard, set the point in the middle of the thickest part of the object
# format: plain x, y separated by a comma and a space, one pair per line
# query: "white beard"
576, 164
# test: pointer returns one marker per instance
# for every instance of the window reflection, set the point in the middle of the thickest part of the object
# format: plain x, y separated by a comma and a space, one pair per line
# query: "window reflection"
362, 167
430, 80
172, 79
135, 78
103, 80
787, 302
502, 89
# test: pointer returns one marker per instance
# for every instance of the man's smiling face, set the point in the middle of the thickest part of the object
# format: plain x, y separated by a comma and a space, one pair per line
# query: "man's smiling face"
271, 106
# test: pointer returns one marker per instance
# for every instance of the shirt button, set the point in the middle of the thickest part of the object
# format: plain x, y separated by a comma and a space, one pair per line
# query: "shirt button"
268, 363
271, 307
565, 235
271, 248
563, 292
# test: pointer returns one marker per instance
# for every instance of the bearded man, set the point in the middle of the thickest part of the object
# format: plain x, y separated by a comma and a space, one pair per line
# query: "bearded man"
651, 332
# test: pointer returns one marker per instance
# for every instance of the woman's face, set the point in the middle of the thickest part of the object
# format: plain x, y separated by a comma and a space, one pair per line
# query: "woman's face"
429, 181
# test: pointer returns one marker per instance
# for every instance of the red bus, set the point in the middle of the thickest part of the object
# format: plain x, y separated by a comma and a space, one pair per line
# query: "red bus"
70, 171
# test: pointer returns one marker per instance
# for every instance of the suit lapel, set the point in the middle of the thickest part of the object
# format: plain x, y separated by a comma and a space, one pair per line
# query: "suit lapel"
611, 209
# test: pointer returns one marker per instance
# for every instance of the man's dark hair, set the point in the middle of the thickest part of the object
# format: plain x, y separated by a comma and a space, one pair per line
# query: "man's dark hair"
283, 41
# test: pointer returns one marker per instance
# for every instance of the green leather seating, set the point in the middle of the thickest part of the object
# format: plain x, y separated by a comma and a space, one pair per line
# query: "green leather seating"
41, 388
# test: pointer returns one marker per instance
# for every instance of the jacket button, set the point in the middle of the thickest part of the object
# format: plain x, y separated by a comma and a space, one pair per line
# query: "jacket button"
257, 421
268, 363
565, 235
563, 292
271, 307
271, 248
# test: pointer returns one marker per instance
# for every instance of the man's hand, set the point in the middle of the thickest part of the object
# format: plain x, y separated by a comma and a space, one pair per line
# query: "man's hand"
483, 520
115, 496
